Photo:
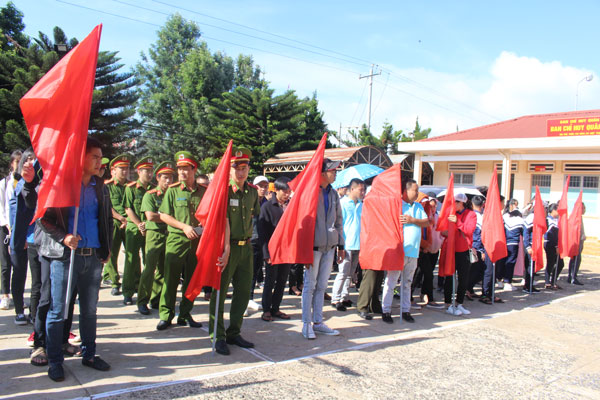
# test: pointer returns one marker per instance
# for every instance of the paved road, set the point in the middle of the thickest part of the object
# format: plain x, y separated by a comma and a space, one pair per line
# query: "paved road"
533, 346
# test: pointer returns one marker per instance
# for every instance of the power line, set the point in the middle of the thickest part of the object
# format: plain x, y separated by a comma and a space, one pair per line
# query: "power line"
359, 102
382, 92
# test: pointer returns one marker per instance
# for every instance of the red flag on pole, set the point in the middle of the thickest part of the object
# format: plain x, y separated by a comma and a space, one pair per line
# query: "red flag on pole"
293, 238
539, 229
447, 263
212, 214
563, 222
493, 236
575, 226
57, 114
381, 233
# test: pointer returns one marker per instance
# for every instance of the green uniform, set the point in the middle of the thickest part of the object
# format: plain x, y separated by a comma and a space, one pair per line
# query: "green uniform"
151, 280
134, 241
243, 205
181, 203
116, 191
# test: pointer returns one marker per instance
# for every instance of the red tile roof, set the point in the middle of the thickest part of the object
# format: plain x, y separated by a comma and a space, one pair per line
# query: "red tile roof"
529, 126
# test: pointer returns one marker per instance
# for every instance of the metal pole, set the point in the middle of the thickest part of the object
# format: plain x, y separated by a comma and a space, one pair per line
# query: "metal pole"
71, 267
216, 321
370, 76
556, 268
530, 275
401, 293
493, 282
454, 290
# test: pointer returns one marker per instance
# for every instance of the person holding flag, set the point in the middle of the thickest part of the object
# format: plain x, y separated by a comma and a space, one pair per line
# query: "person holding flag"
119, 169
554, 262
243, 206
328, 243
528, 226
92, 246
466, 221
152, 277
576, 240
178, 211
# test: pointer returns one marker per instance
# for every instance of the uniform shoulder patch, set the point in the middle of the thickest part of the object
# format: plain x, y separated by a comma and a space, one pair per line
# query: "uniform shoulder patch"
203, 185
131, 183
152, 191
252, 185
174, 184
106, 182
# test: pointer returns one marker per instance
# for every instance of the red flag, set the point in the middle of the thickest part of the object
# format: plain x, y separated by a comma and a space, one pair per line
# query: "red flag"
293, 238
381, 233
57, 115
575, 226
447, 262
539, 229
493, 236
563, 222
212, 214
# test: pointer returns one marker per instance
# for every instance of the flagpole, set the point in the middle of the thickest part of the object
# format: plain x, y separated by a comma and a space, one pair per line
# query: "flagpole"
214, 343
556, 268
530, 274
454, 290
493, 282
71, 265
401, 292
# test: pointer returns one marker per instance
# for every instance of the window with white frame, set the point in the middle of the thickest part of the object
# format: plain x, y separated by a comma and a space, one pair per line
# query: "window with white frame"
464, 179
543, 181
588, 185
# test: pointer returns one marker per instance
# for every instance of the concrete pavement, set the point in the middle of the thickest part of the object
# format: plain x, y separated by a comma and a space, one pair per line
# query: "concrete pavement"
543, 346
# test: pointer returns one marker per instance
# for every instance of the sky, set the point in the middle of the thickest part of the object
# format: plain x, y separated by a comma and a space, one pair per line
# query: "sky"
453, 65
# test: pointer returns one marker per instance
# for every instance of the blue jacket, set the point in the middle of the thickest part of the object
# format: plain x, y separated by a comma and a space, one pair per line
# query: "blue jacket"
551, 235
513, 227
21, 210
477, 243
528, 230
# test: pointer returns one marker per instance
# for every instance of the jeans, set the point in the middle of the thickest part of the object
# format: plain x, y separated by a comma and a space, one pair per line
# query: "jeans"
87, 274
275, 280
5, 263
341, 285
39, 338
316, 277
410, 265
18, 259
574, 264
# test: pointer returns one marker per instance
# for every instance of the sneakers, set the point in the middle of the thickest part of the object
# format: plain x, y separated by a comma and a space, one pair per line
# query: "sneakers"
463, 310
534, 290
254, 306
324, 329
508, 286
308, 332
433, 304
500, 285
454, 311
21, 319
5, 303
387, 318
339, 306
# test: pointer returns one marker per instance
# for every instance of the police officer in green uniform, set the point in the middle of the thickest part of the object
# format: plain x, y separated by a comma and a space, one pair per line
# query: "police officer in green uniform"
119, 170
178, 211
151, 280
243, 205
136, 227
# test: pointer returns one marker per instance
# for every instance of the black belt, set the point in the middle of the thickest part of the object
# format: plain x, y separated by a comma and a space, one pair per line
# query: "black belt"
85, 251
240, 242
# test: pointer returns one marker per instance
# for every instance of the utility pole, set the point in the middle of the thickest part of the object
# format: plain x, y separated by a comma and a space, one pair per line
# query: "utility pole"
370, 76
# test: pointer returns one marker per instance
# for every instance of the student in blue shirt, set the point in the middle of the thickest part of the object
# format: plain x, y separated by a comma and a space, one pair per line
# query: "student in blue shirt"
351, 214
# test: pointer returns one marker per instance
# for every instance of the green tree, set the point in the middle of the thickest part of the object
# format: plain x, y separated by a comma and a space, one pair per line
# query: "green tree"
416, 134
389, 138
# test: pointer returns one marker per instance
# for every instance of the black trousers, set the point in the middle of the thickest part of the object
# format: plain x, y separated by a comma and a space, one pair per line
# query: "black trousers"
528, 266
257, 274
5, 262
574, 264
426, 264
370, 288
476, 273
275, 279
554, 264
39, 337
297, 275
18, 259
488, 275
463, 265
35, 267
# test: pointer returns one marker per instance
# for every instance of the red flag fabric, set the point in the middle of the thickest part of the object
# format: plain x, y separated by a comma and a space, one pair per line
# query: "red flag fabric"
539, 229
381, 233
57, 114
493, 236
212, 215
447, 262
293, 238
575, 226
563, 222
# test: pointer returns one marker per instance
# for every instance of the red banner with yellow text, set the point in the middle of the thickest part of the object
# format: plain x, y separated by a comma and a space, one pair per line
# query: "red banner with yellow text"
573, 126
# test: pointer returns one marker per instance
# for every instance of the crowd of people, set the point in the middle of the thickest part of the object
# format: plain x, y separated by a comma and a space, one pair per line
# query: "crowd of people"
153, 219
